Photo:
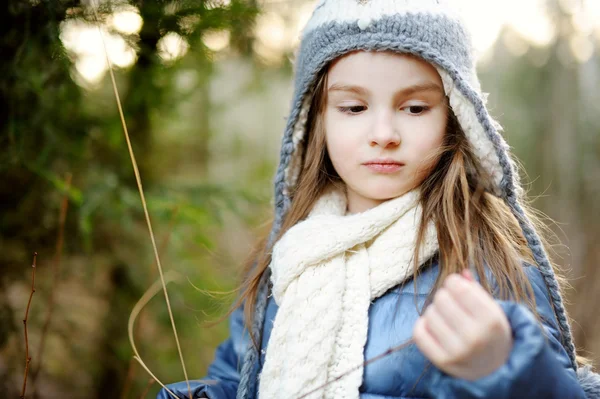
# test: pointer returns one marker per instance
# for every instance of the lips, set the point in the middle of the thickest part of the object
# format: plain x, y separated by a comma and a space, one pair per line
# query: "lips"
384, 165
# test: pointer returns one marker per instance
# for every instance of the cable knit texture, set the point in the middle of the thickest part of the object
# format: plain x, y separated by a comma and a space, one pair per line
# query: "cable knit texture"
335, 265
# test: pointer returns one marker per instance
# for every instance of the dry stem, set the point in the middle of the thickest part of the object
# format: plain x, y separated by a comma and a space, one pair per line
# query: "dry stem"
143, 199
150, 382
163, 246
55, 275
362, 365
27, 357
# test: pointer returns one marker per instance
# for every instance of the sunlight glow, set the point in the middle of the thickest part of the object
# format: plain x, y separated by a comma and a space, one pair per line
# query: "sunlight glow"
83, 40
279, 27
532, 22
581, 47
217, 3
486, 19
272, 36
303, 15
216, 40
515, 43
91, 68
127, 21
172, 46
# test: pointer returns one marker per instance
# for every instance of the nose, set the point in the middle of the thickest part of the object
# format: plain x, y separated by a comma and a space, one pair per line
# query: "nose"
384, 133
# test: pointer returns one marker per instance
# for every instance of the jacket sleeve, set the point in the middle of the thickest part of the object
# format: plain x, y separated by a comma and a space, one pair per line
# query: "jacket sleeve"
223, 375
538, 365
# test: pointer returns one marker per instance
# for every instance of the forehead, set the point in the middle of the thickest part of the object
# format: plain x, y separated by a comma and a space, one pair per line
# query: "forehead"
367, 68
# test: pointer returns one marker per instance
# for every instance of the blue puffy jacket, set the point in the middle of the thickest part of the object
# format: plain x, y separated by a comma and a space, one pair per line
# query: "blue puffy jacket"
538, 366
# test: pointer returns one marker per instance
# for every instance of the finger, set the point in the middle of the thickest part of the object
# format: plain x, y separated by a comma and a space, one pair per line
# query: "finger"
445, 335
470, 296
468, 275
452, 312
486, 314
427, 344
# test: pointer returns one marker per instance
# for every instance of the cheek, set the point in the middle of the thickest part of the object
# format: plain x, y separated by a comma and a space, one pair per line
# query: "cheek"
341, 142
422, 149
339, 149
428, 139
429, 144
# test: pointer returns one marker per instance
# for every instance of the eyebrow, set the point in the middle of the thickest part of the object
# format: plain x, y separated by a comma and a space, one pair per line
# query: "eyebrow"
416, 88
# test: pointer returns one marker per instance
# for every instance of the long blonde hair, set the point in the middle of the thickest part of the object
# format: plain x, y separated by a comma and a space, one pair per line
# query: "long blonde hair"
474, 228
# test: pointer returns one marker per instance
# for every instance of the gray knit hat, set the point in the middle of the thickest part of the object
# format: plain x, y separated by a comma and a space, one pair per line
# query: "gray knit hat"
434, 31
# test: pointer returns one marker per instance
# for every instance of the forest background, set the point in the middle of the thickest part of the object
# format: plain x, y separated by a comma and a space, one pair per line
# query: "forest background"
206, 88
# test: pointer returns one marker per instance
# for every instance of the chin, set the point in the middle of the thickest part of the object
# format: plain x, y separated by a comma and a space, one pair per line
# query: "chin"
385, 194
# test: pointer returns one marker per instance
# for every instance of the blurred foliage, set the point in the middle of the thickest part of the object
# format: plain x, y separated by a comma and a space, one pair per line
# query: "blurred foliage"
53, 125
205, 126
547, 100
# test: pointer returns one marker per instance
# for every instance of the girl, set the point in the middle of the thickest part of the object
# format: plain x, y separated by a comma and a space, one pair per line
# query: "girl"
394, 190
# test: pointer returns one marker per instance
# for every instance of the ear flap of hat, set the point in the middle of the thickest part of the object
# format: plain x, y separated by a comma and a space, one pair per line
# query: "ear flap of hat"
482, 131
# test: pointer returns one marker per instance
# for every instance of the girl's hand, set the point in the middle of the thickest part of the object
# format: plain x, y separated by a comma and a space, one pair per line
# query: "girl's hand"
464, 332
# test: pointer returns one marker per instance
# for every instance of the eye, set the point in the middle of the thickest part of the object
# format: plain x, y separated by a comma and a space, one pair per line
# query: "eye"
353, 110
416, 109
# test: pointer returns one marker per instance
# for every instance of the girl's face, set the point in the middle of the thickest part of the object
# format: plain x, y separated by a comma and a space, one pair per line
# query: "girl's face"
385, 119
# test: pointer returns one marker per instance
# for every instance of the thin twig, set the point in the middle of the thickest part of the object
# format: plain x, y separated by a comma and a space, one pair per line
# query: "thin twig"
150, 292
357, 367
27, 357
150, 382
165, 240
163, 246
142, 197
128, 379
55, 277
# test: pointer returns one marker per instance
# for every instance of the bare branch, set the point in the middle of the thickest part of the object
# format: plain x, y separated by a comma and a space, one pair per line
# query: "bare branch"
128, 379
55, 275
150, 292
163, 246
27, 357
371, 360
142, 198
150, 382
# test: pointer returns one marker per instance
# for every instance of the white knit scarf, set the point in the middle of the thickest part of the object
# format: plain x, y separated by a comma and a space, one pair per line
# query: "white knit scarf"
326, 270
